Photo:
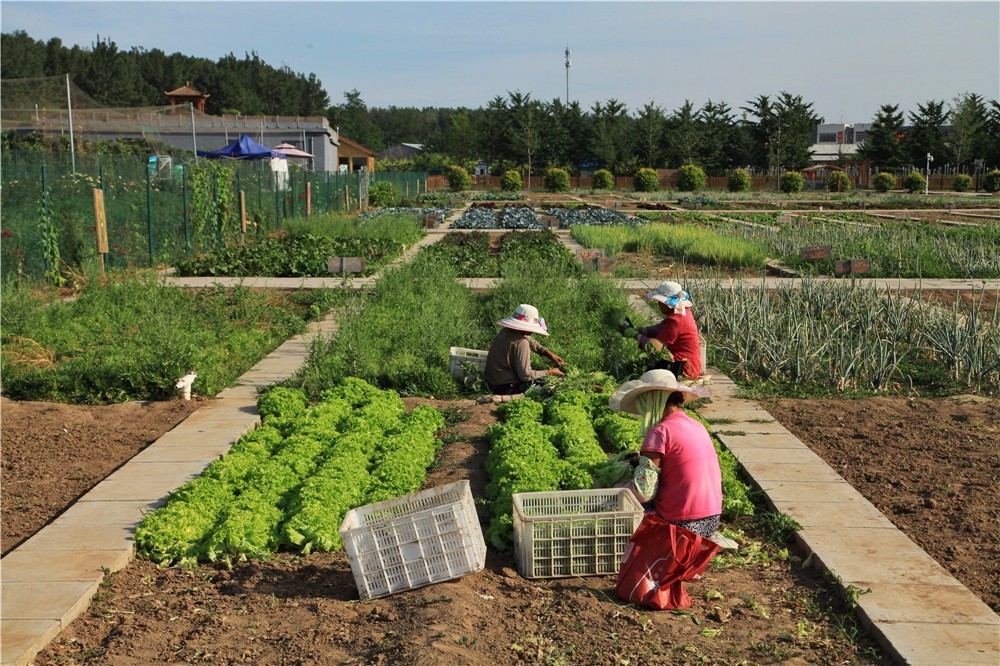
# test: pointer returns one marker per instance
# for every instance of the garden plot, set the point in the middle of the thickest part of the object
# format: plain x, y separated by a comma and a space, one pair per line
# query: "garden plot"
756, 604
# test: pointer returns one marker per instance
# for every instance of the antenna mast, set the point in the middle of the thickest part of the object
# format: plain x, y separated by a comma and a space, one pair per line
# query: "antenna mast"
567, 74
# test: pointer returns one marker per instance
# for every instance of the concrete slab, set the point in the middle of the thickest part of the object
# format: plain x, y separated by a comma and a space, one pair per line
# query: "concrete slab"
837, 492
147, 489
58, 601
765, 472
798, 456
141, 472
753, 427
78, 536
926, 644
828, 515
21, 640
181, 454
207, 433
736, 442
240, 391
926, 603
24, 566
97, 512
224, 411
866, 557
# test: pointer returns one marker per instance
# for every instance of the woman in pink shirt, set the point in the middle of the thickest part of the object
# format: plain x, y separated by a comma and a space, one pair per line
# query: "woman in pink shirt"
689, 480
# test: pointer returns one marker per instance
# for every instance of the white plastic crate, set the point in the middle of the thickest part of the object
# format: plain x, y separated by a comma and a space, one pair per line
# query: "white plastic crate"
418, 539
460, 355
573, 532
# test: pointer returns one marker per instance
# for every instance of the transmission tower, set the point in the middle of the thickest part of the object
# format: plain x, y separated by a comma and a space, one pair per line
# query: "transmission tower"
567, 74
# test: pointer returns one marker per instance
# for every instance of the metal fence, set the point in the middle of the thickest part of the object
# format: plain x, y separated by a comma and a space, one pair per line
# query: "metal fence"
157, 213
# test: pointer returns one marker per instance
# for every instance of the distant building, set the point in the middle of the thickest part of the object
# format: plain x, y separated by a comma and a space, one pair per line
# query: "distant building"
401, 151
355, 157
185, 95
835, 142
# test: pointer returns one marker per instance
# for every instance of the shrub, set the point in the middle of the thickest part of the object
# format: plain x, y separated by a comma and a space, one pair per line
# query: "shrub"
556, 180
739, 181
646, 181
603, 180
792, 182
382, 194
883, 181
839, 182
458, 178
511, 181
692, 178
992, 181
962, 182
914, 182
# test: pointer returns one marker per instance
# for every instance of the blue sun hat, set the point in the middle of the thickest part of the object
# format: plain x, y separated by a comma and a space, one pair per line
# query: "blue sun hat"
673, 295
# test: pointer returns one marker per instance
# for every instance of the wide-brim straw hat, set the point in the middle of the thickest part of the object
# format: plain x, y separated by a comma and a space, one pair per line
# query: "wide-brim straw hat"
525, 318
671, 294
623, 399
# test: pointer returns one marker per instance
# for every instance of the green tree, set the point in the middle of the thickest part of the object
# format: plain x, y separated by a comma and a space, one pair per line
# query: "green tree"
649, 128
718, 138
611, 140
682, 135
882, 148
352, 119
969, 121
926, 133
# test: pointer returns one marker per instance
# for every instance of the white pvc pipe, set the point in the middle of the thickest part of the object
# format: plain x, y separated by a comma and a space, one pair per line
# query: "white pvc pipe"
184, 384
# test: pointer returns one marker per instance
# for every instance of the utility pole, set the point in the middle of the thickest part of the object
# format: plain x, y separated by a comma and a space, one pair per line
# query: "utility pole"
567, 74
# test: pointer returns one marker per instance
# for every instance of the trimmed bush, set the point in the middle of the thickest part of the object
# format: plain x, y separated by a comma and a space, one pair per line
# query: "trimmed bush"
792, 182
382, 194
646, 181
556, 180
511, 181
739, 181
458, 178
603, 180
992, 181
692, 178
962, 182
839, 182
883, 181
915, 182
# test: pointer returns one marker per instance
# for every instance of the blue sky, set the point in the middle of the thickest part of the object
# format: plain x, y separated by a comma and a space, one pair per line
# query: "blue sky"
847, 58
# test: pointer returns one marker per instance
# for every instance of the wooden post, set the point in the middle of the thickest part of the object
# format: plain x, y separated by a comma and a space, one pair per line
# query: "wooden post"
243, 213
309, 199
407, 189
101, 226
347, 199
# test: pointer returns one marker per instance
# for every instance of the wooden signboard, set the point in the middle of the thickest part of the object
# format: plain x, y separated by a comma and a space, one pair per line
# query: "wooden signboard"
606, 264
816, 252
431, 221
100, 222
309, 199
852, 267
550, 221
345, 265
590, 258
786, 219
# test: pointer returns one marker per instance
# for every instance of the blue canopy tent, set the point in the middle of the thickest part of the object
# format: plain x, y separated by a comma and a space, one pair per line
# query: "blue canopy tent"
243, 148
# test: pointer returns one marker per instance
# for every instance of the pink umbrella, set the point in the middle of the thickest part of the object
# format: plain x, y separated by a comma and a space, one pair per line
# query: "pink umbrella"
291, 151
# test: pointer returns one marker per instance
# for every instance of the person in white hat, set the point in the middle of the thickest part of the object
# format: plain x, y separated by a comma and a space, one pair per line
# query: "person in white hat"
677, 332
688, 490
508, 364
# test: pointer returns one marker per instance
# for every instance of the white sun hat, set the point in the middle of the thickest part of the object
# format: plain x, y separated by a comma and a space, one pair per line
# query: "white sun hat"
623, 399
672, 294
525, 318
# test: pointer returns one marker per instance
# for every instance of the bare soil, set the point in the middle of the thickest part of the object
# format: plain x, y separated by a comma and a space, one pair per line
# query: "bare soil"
930, 466
54, 453
759, 606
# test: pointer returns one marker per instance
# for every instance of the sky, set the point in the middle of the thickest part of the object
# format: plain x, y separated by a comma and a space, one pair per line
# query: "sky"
847, 58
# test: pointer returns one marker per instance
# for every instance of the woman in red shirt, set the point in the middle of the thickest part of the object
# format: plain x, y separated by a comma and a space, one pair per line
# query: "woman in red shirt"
678, 332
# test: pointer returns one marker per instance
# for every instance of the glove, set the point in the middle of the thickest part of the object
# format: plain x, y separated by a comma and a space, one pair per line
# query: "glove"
625, 325
630, 332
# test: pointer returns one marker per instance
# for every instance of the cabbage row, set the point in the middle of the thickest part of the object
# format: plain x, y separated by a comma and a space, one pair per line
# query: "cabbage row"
290, 482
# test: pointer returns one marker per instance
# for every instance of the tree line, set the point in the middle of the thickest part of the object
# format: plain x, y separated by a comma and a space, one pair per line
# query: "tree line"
139, 77
769, 132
